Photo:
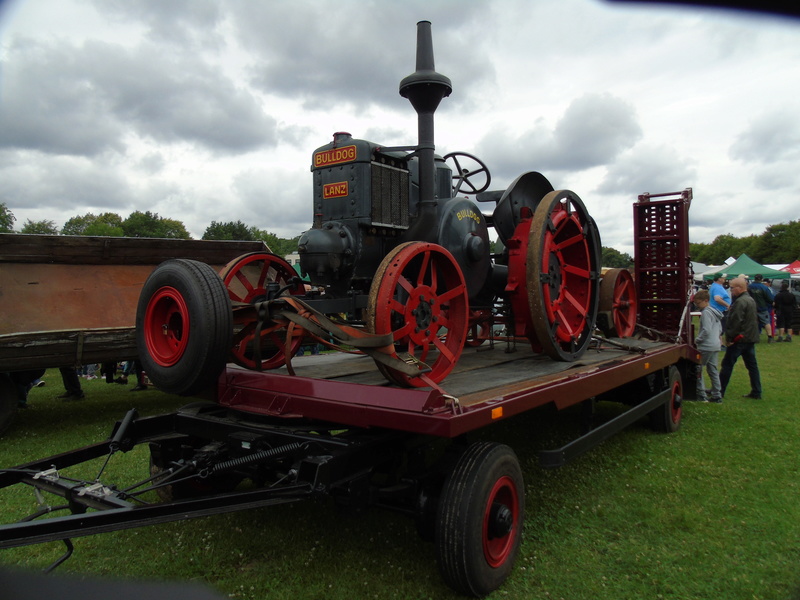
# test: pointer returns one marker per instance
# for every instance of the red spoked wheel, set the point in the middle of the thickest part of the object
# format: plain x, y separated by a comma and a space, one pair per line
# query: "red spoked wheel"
247, 279
419, 295
479, 521
563, 268
619, 302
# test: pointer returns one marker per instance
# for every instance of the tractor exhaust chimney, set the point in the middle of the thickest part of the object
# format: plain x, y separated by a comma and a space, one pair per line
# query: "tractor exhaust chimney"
425, 89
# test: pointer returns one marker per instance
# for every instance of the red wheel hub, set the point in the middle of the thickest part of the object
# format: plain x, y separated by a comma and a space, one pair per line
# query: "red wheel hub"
166, 326
500, 521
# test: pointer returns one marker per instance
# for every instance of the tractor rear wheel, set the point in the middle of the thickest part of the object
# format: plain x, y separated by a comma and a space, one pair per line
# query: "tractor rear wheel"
563, 275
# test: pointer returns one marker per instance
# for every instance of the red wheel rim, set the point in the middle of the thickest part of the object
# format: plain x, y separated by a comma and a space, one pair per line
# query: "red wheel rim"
566, 257
675, 402
419, 295
626, 305
618, 296
246, 278
503, 504
563, 275
166, 326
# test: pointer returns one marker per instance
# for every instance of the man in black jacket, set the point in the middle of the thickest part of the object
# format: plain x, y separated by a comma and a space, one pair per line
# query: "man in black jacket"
741, 335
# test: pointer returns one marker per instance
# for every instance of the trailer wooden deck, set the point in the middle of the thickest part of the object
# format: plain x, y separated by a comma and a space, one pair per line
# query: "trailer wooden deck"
488, 384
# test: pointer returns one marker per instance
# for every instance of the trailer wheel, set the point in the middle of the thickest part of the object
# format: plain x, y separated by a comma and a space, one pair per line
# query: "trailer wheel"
480, 516
418, 294
183, 326
8, 402
667, 418
246, 278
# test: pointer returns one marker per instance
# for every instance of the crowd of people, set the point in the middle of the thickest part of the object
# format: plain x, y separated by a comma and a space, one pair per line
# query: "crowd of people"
733, 319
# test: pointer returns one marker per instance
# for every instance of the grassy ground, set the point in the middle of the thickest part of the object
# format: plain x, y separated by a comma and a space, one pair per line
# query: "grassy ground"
710, 512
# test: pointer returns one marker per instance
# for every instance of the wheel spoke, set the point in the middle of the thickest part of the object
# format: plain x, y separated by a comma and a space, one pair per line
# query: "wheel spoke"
580, 308
426, 263
575, 239
576, 270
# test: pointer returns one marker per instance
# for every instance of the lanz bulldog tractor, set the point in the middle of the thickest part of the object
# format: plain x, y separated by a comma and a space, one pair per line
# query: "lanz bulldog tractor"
398, 251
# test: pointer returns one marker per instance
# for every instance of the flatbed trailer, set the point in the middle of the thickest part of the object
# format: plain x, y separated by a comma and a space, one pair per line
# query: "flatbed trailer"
335, 430
333, 426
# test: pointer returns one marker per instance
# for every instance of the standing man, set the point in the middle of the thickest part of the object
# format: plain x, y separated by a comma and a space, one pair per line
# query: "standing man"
763, 297
719, 296
741, 335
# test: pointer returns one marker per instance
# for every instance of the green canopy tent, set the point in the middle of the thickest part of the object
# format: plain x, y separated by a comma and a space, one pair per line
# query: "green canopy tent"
744, 265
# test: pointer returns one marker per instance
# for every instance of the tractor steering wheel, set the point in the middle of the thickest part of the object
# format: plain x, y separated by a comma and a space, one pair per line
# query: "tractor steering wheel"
463, 176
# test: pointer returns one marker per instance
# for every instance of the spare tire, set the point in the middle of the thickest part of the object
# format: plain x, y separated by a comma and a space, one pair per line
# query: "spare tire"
184, 326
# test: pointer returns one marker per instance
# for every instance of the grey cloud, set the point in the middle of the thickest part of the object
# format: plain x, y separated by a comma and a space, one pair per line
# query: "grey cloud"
594, 130
358, 53
177, 22
62, 183
80, 100
275, 200
648, 169
768, 138
151, 163
50, 105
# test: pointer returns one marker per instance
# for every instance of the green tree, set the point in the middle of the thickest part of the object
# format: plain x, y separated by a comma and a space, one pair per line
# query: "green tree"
7, 219
148, 224
43, 227
230, 231
279, 246
778, 244
106, 224
613, 258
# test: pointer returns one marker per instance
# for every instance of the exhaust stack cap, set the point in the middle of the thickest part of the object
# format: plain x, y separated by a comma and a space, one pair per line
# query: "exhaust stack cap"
425, 88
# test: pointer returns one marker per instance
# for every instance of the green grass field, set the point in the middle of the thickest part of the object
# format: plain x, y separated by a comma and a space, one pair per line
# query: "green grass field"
711, 512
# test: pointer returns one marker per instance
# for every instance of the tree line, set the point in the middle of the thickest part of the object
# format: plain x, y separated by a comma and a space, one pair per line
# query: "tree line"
778, 244
145, 224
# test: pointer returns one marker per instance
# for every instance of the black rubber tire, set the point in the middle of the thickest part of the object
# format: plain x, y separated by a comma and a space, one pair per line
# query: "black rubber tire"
667, 417
8, 402
208, 309
464, 508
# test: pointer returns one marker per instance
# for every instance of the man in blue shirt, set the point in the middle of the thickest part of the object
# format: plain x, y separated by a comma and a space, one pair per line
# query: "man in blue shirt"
720, 298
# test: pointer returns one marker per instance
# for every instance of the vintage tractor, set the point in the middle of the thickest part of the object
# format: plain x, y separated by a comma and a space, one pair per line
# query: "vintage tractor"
398, 264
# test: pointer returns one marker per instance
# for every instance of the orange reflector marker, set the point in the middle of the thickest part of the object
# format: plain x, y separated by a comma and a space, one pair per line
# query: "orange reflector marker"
646, 366
497, 412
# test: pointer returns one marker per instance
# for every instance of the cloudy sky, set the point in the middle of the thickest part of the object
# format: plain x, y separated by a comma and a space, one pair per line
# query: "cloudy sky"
209, 110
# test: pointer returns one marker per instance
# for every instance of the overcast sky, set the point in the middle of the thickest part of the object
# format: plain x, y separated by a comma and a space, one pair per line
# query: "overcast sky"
209, 110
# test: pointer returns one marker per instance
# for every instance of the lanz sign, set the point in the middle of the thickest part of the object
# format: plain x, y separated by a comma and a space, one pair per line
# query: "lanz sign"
335, 190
